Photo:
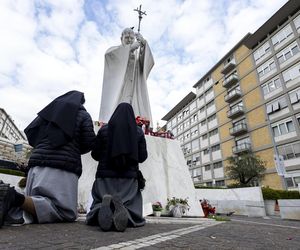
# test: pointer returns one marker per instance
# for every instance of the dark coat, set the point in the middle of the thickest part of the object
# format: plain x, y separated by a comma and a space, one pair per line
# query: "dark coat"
100, 153
68, 156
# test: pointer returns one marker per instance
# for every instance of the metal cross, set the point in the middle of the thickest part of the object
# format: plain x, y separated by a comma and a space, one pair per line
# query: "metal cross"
141, 13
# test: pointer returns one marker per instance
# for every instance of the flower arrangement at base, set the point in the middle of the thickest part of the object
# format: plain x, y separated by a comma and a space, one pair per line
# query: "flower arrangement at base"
177, 206
157, 208
207, 208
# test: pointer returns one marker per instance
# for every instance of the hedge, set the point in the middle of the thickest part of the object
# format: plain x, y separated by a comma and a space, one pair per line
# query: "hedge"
11, 172
273, 194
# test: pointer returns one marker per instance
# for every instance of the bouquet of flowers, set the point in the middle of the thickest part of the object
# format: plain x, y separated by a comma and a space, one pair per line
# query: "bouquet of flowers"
157, 206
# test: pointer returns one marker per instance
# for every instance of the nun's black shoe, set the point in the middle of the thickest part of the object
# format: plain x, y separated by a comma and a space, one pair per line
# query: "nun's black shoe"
120, 216
105, 214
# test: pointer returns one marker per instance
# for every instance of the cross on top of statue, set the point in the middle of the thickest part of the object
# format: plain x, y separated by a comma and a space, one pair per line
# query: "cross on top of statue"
141, 13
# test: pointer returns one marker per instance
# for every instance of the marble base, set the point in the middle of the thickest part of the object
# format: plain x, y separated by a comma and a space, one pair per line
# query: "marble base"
165, 171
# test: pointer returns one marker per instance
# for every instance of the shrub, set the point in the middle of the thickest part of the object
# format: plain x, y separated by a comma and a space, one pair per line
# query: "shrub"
11, 172
273, 194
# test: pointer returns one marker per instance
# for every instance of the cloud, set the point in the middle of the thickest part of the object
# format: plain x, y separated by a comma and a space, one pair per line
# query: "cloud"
50, 47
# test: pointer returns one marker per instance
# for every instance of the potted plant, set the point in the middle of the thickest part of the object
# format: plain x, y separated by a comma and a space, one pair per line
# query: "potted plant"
157, 208
177, 206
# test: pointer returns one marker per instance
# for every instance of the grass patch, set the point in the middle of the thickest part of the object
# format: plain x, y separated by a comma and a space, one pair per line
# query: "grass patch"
218, 218
11, 172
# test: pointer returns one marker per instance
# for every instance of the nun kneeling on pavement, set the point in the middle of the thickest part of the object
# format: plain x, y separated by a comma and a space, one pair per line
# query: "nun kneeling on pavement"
120, 146
62, 131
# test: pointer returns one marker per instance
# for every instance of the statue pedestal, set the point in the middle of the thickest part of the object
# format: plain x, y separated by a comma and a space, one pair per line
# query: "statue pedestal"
165, 171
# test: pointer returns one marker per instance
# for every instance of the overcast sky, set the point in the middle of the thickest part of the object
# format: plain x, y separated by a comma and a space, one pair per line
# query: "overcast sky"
50, 47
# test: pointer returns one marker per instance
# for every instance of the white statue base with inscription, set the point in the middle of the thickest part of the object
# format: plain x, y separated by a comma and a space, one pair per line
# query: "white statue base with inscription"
165, 171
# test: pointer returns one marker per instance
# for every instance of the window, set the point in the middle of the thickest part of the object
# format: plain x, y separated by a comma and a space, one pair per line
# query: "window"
194, 131
215, 148
202, 110
208, 91
210, 104
261, 51
297, 22
271, 85
228, 60
204, 137
185, 112
290, 151
206, 151
266, 67
193, 106
295, 96
200, 85
203, 122
291, 73
213, 132
240, 122
195, 145
283, 128
220, 183
207, 167
243, 141
179, 117
211, 118
276, 105
200, 98
194, 118
282, 35
217, 165
288, 52
236, 107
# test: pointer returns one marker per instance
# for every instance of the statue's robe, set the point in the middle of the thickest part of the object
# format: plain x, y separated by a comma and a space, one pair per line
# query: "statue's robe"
124, 80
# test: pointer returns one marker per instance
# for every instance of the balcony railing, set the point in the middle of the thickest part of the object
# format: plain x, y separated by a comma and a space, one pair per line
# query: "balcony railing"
243, 147
228, 67
233, 95
230, 80
238, 129
235, 111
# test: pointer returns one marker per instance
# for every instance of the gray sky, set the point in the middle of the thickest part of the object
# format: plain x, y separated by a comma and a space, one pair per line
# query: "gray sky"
50, 47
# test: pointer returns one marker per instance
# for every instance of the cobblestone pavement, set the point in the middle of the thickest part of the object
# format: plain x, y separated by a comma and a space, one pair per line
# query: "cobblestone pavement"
162, 233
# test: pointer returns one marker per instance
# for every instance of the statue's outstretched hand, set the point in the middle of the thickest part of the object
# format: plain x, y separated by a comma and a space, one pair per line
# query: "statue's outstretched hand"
140, 38
134, 46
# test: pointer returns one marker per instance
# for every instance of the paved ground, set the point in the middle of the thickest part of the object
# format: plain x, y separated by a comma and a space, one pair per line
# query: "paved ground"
163, 233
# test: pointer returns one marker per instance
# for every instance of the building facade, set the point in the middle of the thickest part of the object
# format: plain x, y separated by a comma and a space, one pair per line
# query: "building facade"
249, 101
13, 144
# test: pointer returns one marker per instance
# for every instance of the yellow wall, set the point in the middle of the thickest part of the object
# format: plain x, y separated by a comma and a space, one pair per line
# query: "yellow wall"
224, 131
220, 101
260, 137
218, 88
252, 99
272, 180
226, 148
241, 53
256, 117
222, 116
248, 82
216, 74
245, 66
267, 156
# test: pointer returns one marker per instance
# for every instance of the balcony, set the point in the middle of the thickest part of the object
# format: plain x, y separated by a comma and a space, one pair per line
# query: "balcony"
233, 95
238, 129
241, 148
230, 80
235, 111
228, 67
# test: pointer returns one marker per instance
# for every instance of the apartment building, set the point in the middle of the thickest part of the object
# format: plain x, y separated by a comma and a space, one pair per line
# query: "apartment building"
248, 101
8, 129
